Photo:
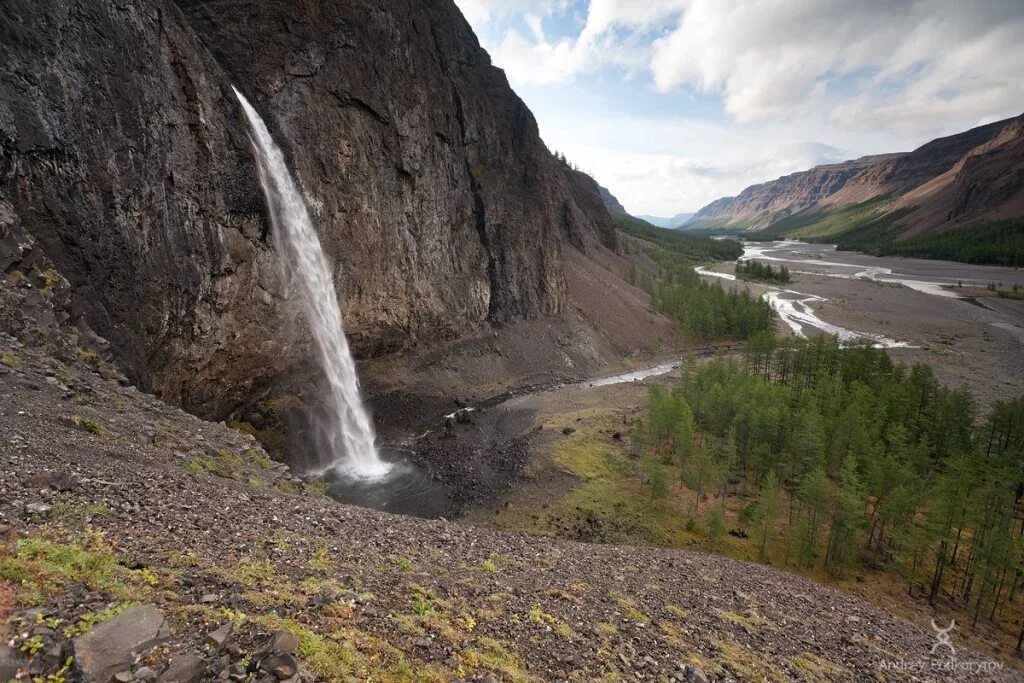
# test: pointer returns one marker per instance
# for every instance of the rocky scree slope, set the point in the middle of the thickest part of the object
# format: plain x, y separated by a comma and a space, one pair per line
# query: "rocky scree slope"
139, 542
124, 155
947, 182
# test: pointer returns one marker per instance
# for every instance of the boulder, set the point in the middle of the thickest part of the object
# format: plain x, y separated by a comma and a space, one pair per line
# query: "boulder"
112, 646
220, 636
283, 666
284, 642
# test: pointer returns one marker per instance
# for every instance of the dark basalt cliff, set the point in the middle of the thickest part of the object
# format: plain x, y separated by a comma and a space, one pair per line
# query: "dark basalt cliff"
123, 158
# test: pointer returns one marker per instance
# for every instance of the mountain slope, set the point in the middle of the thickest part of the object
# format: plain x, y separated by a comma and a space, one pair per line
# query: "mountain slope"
120, 503
676, 221
960, 183
435, 197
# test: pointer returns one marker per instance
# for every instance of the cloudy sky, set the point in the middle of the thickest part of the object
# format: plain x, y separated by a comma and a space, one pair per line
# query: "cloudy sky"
674, 103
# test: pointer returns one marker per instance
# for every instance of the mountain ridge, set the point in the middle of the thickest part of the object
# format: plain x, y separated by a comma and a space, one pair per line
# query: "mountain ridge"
951, 182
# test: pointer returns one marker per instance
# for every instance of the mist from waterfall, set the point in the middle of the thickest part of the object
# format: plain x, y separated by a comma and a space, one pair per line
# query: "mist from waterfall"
348, 432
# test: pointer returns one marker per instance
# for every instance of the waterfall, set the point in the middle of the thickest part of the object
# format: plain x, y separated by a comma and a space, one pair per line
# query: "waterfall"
348, 432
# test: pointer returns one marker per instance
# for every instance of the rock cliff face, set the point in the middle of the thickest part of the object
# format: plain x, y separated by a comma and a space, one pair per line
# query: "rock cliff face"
124, 156
948, 181
611, 201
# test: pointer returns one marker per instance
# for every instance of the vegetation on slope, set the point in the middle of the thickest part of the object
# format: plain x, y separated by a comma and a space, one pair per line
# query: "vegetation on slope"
870, 228
687, 246
853, 461
703, 310
998, 243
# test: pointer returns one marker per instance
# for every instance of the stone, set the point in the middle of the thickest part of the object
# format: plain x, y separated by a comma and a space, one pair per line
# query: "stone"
220, 636
37, 509
185, 668
124, 676
284, 642
282, 666
568, 430
11, 659
59, 481
144, 673
489, 679
208, 598
112, 646
695, 674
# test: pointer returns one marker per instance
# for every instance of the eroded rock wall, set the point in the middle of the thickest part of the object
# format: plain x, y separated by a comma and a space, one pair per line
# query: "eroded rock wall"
123, 153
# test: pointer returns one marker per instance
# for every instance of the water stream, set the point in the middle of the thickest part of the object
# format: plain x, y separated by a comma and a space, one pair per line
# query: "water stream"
795, 308
346, 434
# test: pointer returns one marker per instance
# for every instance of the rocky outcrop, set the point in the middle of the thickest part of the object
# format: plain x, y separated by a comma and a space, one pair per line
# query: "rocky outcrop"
122, 152
946, 182
610, 201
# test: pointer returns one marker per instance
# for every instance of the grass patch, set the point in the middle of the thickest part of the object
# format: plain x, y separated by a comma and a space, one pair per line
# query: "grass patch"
490, 656
93, 427
748, 621
10, 360
815, 669
747, 665
39, 566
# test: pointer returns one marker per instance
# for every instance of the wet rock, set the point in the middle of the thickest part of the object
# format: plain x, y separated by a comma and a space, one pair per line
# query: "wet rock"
111, 647
186, 668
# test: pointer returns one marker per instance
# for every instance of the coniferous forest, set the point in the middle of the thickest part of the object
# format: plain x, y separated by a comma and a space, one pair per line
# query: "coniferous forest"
850, 460
751, 269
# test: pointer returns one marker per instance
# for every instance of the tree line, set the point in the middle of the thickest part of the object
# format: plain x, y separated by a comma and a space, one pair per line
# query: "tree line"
762, 272
849, 459
704, 310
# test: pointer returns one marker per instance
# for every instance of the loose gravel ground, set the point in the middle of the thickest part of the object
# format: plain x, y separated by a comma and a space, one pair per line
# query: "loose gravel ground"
192, 518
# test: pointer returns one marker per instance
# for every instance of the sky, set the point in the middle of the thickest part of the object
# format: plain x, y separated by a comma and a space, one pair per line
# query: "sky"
674, 103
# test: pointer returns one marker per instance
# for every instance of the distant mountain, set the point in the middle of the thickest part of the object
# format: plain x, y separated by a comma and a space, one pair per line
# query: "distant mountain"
677, 221
968, 188
759, 206
613, 205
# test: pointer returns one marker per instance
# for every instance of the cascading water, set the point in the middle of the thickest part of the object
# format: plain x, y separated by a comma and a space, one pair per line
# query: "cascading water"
348, 434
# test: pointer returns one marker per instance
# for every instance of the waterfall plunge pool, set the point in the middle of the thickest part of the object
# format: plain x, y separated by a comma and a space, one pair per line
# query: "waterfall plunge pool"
408, 488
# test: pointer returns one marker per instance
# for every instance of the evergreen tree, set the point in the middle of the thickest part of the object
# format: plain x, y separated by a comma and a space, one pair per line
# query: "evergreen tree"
767, 511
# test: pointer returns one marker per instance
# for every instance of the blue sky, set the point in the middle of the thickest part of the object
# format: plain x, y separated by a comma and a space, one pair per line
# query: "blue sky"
674, 103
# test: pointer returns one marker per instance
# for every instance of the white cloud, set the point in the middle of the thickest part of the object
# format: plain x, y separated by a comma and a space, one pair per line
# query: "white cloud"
799, 82
914, 63
665, 167
531, 58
